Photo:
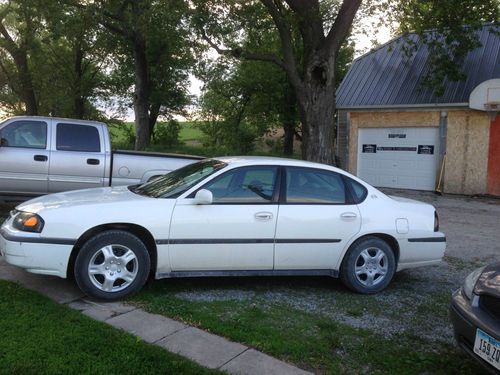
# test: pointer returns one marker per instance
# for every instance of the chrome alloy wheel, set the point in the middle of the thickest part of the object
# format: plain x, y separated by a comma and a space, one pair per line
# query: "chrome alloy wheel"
371, 266
113, 268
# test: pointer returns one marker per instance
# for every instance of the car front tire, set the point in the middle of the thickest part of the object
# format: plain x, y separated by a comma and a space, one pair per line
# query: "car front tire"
112, 265
369, 266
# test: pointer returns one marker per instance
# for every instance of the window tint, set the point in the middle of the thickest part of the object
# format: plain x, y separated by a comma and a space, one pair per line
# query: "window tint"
73, 137
358, 191
314, 186
26, 134
244, 185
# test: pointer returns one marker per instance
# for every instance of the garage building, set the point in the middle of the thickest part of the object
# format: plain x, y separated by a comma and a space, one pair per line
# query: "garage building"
393, 132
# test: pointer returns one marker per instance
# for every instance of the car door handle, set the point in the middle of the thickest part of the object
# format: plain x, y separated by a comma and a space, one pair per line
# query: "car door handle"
348, 215
263, 216
40, 158
93, 161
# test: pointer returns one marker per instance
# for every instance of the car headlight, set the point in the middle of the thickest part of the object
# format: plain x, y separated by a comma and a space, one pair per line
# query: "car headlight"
470, 282
28, 222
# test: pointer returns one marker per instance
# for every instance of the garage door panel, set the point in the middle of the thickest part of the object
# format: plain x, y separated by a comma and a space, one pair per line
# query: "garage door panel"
391, 157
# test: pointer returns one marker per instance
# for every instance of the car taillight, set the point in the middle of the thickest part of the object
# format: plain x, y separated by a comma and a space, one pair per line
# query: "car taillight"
436, 222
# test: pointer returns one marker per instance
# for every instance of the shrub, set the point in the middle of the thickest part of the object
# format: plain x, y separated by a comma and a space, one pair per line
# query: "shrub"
167, 134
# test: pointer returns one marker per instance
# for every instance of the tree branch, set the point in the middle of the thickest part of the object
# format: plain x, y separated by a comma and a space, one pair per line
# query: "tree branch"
341, 26
310, 25
289, 60
239, 53
9, 43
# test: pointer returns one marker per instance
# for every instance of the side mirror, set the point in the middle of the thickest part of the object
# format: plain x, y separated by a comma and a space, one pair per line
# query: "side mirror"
203, 196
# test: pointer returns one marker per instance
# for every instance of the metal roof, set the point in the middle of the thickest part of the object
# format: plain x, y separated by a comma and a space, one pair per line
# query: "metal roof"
386, 77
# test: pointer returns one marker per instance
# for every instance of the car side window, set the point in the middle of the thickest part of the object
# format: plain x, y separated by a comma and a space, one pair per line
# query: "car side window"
358, 191
24, 134
75, 137
314, 186
244, 185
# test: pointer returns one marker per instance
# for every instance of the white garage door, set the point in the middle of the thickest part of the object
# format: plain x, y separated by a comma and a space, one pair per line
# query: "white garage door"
405, 158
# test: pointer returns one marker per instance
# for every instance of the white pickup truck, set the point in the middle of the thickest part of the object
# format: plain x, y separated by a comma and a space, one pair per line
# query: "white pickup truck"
40, 155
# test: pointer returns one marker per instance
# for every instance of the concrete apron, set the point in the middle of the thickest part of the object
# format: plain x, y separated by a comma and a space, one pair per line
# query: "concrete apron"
204, 348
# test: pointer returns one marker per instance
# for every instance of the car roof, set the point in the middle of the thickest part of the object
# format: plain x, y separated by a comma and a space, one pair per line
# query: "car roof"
268, 160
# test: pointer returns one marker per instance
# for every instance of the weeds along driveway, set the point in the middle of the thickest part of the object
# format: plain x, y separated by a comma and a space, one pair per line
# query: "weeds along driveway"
318, 325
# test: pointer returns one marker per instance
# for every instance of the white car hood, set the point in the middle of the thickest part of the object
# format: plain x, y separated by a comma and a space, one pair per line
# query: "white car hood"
80, 197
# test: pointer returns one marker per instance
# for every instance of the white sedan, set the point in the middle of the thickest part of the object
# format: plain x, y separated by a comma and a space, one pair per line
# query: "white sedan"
234, 216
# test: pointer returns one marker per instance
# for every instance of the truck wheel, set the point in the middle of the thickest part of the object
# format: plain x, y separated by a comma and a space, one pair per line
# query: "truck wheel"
368, 266
112, 265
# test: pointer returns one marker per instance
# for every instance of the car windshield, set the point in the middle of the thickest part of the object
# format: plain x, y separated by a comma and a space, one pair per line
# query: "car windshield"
177, 182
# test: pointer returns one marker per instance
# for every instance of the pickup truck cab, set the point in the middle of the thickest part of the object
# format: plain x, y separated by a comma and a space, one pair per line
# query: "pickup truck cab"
40, 155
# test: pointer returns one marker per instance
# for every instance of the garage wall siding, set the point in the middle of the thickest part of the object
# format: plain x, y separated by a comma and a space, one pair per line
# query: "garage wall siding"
467, 143
466, 168
385, 120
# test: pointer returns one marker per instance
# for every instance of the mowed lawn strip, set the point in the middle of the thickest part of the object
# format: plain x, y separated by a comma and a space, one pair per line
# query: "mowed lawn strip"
254, 314
38, 336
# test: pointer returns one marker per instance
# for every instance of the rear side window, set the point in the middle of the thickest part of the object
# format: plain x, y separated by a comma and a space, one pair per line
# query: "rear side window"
75, 137
24, 134
314, 186
358, 191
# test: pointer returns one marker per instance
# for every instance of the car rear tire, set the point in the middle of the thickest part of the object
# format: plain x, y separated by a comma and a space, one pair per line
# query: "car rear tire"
112, 265
369, 265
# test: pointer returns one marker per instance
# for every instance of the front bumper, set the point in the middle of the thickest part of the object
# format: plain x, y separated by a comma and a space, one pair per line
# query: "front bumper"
466, 318
34, 253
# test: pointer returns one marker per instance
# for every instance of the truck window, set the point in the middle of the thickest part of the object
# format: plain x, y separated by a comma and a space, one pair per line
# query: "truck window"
75, 137
24, 134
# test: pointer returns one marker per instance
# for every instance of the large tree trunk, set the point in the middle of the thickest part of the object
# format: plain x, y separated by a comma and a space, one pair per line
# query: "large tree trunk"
154, 112
78, 99
315, 87
317, 110
289, 121
20, 57
141, 95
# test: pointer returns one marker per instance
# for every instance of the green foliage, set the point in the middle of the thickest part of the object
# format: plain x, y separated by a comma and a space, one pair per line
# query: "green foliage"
167, 134
239, 103
448, 28
122, 135
64, 55
160, 63
245, 97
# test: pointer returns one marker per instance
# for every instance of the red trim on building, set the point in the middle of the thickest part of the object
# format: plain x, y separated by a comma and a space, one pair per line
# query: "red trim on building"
494, 158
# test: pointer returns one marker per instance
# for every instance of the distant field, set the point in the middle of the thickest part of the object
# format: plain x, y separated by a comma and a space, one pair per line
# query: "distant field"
190, 136
188, 132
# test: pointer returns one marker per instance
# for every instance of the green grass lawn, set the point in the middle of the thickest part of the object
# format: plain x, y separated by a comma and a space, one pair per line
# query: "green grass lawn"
38, 336
296, 319
189, 131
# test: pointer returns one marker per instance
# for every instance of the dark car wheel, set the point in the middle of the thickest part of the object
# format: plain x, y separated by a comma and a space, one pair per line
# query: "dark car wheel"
112, 265
368, 266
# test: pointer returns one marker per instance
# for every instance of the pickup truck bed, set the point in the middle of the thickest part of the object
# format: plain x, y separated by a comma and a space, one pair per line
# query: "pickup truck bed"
128, 166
